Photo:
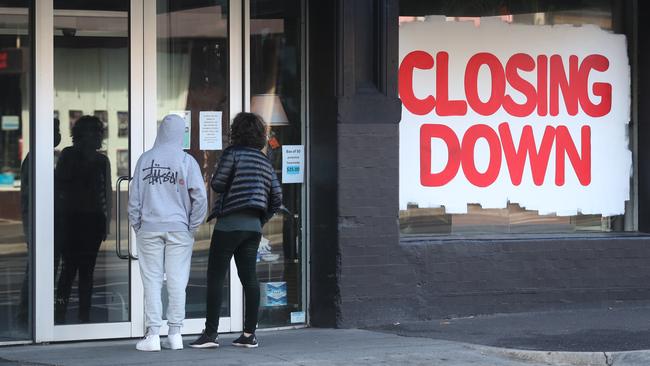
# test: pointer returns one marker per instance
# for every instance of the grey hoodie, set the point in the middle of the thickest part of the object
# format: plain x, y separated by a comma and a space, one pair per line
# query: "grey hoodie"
167, 192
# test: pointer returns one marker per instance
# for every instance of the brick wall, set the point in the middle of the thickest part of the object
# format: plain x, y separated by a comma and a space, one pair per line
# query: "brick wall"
456, 278
376, 280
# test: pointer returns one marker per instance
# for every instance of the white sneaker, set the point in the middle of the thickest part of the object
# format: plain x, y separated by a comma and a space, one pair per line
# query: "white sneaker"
174, 341
149, 343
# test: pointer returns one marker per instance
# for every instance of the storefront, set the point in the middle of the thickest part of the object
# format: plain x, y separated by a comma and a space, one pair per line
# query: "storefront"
457, 190
130, 63
502, 168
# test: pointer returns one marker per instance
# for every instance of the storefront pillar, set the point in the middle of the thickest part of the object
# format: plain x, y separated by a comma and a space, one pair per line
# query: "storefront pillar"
358, 273
643, 59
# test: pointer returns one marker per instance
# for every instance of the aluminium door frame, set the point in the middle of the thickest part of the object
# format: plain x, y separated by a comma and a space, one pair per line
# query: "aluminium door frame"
44, 328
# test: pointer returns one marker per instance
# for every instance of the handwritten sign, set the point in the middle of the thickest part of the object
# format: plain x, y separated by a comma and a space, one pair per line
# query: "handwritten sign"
536, 115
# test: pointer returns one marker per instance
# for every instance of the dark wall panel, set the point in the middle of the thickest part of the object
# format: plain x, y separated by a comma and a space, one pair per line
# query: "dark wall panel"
483, 277
643, 70
324, 245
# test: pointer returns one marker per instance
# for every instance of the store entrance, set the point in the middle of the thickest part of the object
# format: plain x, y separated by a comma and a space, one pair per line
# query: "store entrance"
118, 67
103, 74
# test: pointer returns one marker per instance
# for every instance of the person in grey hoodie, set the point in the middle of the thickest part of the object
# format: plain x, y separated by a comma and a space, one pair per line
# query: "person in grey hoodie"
167, 203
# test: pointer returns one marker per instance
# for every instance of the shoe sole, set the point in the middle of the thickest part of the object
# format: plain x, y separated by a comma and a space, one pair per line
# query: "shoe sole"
148, 350
205, 345
245, 345
170, 347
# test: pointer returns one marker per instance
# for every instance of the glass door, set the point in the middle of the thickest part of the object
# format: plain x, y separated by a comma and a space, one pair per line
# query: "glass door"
89, 75
91, 275
276, 78
107, 72
119, 67
91, 103
196, 49
15, 166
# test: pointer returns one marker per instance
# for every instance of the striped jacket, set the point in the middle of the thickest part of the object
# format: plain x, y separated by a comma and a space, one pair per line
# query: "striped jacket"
245, 179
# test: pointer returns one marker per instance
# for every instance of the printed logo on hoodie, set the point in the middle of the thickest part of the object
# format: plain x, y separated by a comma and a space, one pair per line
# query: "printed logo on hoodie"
156, 174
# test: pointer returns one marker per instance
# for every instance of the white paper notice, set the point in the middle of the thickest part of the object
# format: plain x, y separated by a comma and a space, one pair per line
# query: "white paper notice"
187, 116
210, 130
293, 163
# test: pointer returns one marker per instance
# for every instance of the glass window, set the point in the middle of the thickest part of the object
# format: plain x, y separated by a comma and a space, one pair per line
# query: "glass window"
91, 101
514, 217
192, 68
15, 189
276, 92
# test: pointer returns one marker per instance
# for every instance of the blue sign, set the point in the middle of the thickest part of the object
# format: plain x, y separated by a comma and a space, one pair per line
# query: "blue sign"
10, 123
274, 293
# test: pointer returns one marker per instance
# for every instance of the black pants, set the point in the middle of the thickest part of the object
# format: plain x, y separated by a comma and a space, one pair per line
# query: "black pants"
243, 245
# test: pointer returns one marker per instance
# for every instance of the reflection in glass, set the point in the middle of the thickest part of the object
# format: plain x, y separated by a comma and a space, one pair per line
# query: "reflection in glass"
83, 205
275, 67
15, 165
91, 99
192, 67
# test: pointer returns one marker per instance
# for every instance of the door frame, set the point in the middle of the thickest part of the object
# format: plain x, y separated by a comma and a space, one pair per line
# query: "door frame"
142, 108
147, 78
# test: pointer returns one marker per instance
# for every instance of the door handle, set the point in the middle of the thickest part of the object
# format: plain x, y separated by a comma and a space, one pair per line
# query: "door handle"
118, 231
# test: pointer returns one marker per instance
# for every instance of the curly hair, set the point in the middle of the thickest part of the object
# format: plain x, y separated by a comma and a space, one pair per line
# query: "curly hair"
248, 129
87, 126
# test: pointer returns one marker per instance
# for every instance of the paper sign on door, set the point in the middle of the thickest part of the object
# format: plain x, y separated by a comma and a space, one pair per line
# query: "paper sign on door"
210, 130
293, 164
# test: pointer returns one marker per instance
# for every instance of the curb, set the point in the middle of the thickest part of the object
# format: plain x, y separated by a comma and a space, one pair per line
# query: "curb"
558, 358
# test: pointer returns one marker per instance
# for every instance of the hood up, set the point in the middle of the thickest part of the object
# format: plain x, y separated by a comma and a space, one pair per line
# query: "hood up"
171, 132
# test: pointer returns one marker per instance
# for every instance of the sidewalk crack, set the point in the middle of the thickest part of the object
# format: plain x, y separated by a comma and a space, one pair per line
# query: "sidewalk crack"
609, 361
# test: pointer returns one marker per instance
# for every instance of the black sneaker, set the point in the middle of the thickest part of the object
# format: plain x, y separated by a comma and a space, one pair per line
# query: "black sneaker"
243, 341
205, 341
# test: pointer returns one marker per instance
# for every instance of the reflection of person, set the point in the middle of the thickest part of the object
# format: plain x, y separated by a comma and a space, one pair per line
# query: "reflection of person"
249, 196
24, 208
167, 203
83, 199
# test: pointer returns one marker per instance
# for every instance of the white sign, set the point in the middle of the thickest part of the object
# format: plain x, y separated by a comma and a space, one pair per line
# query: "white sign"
297, 317
293, 164
10, 123
535, 115
187, 116
210, 130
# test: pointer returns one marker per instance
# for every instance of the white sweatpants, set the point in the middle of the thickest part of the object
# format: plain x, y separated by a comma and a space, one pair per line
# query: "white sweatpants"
159, 253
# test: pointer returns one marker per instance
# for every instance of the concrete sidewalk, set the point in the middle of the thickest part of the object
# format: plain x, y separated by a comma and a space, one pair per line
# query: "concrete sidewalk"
311, 347
294, 347
606, 334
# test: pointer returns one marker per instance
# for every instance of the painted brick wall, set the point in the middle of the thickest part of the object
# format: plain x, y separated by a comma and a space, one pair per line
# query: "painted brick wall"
457, 278
376, 281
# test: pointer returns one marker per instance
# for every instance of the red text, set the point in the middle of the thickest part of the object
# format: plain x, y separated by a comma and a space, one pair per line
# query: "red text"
555, 85
501, 145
